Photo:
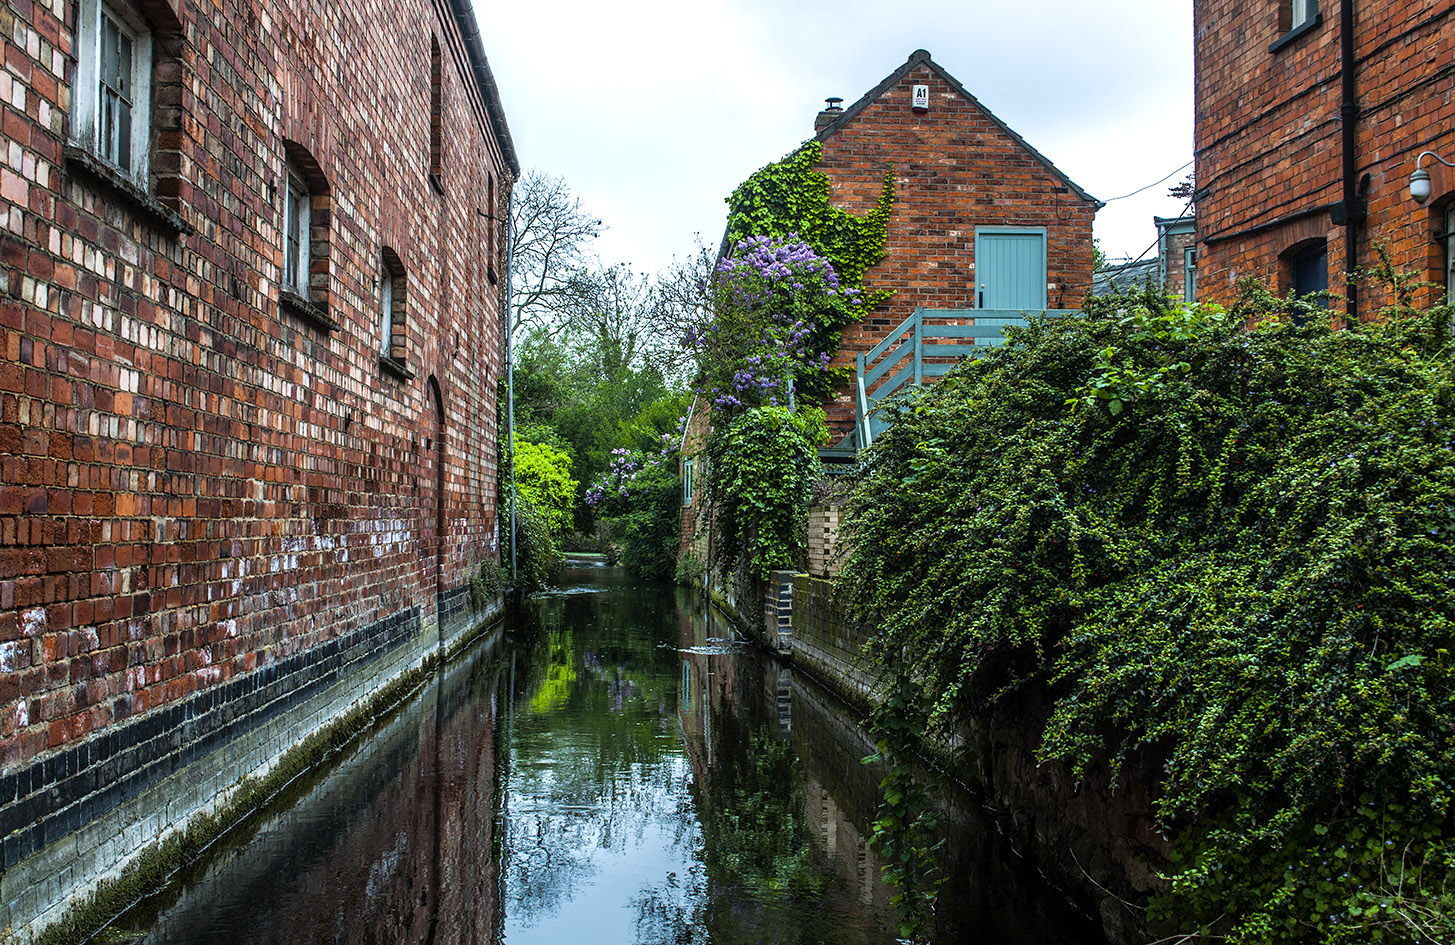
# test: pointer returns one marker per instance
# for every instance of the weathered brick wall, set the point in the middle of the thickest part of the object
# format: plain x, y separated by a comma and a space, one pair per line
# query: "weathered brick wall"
955, 168
1269, 148
206, 497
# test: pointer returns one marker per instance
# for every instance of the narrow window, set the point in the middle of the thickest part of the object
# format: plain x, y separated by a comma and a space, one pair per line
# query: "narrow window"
436, 117
386, 310
111, 107
1303, 11
393, 314
1309, 272
1189, 274
687, 482
296, 225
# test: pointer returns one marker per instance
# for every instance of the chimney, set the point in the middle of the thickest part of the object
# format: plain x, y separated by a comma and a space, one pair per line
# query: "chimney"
830, 114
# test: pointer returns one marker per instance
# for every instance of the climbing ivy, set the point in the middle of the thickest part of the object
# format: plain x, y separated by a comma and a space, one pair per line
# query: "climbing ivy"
763, 466
789, 200
1242, 572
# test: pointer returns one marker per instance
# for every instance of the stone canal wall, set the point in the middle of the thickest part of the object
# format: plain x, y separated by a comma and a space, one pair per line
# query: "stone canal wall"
249, 353
1094, 839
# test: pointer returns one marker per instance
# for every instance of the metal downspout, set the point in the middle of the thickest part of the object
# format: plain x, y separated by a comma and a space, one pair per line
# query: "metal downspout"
1348, 116
510, 369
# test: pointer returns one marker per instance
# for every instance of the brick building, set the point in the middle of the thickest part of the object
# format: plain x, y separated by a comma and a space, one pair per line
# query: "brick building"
249, 340
1310, 117
968, 190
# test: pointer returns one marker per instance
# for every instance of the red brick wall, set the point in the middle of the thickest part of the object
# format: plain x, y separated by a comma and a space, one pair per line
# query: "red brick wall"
1268, 137
194, 482
954, 169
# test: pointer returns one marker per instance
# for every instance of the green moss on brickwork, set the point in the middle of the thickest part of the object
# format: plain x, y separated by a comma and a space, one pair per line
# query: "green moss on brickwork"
151, 869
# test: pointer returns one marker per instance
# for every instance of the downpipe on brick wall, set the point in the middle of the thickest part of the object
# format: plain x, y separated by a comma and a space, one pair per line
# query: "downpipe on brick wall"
1352, 209
510, 366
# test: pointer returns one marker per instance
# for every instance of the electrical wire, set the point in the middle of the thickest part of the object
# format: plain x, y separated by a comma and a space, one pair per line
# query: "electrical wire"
1153, 184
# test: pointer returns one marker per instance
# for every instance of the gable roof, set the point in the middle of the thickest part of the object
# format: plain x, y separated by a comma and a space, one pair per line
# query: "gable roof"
921, 56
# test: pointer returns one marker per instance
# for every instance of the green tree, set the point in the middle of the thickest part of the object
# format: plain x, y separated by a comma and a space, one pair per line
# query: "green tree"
543, 478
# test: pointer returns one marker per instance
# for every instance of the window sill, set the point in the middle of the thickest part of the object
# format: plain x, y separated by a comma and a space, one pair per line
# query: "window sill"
305, 310
437, 183
392, 365
1304, 28
127, 191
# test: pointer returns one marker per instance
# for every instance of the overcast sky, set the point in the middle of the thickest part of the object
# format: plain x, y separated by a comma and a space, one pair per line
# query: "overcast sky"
654, 110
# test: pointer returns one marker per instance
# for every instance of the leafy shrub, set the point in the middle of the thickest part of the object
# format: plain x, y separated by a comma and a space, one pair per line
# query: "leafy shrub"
537, 559
1227, 546
647, 523
486, 584
543, 478
763, 465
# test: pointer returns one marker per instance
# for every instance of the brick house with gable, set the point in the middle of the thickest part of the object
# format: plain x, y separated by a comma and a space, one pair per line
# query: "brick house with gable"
969, 192
251, 296
1311, 117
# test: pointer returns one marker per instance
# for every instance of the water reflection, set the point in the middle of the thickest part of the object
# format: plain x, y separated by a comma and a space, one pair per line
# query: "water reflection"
394, 844
619, 770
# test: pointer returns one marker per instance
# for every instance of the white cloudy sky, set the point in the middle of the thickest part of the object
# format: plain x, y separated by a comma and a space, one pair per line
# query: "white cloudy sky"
654, 110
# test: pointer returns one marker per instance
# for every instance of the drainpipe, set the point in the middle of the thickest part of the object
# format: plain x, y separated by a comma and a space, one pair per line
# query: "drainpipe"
510, 371
1353, 214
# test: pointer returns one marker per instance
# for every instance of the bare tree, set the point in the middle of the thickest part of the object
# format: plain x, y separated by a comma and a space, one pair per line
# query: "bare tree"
681, 303
550, 278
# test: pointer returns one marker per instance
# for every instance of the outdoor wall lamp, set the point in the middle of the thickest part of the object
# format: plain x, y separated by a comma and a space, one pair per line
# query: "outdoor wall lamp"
1420, 179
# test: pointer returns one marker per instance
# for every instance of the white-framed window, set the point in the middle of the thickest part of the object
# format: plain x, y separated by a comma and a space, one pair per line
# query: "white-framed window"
1189, 274
111, 102
1303, 11
297, 220
687, 482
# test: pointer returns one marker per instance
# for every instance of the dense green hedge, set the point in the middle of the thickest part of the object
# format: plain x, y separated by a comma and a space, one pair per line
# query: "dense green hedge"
1222, 540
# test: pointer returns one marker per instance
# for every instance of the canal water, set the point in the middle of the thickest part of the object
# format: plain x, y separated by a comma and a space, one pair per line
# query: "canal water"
616, 768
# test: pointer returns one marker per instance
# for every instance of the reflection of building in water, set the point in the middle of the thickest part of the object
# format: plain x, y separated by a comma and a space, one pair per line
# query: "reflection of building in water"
394, 845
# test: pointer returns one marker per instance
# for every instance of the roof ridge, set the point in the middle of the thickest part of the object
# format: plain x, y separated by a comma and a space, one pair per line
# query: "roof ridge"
923, 56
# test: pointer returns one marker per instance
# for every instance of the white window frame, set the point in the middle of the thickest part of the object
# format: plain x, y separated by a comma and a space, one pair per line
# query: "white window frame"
1303, 11
297, 211
86, 97
1189, 274
687, 483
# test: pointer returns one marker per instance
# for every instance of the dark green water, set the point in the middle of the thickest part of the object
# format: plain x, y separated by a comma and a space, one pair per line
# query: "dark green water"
616, 770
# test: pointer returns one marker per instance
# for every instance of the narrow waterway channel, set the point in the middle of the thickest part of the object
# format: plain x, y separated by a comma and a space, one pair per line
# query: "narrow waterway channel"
613, 769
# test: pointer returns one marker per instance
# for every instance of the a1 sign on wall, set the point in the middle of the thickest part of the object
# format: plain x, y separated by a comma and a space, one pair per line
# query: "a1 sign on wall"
921, 98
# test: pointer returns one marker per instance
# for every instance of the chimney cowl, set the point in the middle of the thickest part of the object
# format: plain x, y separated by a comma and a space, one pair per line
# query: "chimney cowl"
831, 112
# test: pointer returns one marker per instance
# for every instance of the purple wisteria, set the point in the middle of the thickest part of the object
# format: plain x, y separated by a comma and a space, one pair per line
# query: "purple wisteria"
620, 478
768, 297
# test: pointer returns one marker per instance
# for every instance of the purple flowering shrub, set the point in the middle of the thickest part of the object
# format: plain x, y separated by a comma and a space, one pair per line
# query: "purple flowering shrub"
777, 306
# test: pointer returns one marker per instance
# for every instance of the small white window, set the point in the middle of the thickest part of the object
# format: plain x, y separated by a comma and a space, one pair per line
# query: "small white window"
1189, 274
111, 106
1303, 11
386, 310
297, 214
687, 482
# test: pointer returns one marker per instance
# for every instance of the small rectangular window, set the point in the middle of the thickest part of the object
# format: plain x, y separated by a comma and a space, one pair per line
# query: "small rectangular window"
436, 116
386, 311
1303, 11
1189, 274
687, 482
296, 221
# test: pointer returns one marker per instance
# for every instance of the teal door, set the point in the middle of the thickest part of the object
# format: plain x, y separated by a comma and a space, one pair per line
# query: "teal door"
1010, 269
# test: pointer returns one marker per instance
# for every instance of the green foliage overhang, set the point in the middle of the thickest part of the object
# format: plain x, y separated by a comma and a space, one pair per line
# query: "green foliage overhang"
1222, 543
